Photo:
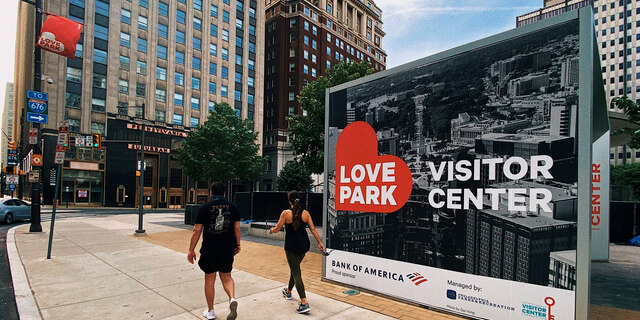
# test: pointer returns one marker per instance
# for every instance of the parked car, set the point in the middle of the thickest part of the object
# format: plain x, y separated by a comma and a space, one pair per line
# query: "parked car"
14, 209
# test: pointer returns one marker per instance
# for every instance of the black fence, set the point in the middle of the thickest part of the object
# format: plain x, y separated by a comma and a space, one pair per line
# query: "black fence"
267, 206
624, 221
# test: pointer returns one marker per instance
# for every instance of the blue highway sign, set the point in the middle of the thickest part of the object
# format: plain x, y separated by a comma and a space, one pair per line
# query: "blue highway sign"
37, 95
37, 106
37, 118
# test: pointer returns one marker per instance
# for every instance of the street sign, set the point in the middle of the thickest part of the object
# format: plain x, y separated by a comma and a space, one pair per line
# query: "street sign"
88, 141
62, 138
59, 158
79, 140
37, 118
36, 160
37, 95
12, 187
11, 179
33, 135
63, 126
37, 106
34, 175
12, 157
52, 176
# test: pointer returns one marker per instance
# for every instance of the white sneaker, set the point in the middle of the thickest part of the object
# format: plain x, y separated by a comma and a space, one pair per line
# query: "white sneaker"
209, 314
233, 310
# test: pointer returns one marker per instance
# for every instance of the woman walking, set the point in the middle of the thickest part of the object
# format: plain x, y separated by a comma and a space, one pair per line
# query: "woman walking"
296, 245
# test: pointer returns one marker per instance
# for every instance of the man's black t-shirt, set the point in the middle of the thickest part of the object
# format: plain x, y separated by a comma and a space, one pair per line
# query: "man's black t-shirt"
218, 218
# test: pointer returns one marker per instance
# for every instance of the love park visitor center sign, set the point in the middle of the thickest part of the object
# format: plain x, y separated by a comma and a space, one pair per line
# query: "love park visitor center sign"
463, 181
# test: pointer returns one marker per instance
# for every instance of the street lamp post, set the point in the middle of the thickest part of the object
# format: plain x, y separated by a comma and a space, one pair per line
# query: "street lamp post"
141, 231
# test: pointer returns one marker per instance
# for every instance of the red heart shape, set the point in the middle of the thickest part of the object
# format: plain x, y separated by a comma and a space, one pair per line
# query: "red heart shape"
366, 181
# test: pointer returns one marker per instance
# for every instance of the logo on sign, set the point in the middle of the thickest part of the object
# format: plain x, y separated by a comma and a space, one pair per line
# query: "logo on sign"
451, 294
37, 106
366, 181
539, 311
416, 278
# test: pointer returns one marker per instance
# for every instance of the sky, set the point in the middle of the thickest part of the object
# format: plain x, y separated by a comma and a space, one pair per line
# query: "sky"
414, 28
420, 28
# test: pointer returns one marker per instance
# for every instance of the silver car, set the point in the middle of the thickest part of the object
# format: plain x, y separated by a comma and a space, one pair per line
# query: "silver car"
14, 209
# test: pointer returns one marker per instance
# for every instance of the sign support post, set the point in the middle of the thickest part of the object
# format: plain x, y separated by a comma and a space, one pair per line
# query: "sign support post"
62, 130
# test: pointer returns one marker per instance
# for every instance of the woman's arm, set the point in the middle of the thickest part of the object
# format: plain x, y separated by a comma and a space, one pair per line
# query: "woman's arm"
312, 228
280, 224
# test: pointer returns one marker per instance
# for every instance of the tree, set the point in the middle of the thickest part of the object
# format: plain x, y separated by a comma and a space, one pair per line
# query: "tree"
222, 149
307, 132
628, 175
294, 176
632, 110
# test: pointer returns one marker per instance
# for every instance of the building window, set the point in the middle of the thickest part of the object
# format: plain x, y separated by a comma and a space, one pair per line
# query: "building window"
73, 100
163, 9
305, 69
161, 95
99, 56
125, 16
160, 115
162, 52
180, 16
292, 67
197, 43
74, 74
195, 83
180, 57
197, 24
141, 89
195, 122
224, 91
74, 125
78, 50
161, 73
98, 105
142, 22
195, 61
163, 30
142, 45
177, 119
225, 35
213, 49
238, 95
195, 103
179, 78
224, 72
214, 30
197, 4
102, 8
141, 67
225, 16
99, 81
144, 3
178, 99
292, 96
213, 68
124, 63
101, 32
252, 64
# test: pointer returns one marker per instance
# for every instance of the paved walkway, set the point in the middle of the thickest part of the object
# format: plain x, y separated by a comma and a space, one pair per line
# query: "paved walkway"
98, 269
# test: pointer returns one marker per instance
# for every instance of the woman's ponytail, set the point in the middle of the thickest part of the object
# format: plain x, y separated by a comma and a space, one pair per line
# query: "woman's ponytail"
296, 209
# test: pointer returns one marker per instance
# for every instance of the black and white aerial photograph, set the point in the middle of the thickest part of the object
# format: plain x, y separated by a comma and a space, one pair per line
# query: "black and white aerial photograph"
516, 98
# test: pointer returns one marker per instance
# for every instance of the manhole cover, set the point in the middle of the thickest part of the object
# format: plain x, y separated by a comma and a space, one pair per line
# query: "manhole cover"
351, 292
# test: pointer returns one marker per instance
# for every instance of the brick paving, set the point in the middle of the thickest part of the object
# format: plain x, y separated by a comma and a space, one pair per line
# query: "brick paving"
269, 261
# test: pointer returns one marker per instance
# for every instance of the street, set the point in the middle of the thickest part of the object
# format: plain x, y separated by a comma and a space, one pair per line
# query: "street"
7, 300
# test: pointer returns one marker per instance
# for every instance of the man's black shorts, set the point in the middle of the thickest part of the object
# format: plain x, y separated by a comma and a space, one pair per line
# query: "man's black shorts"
217, 260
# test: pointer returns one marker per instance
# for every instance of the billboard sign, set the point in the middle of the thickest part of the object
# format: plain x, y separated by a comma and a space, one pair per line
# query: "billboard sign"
454, 181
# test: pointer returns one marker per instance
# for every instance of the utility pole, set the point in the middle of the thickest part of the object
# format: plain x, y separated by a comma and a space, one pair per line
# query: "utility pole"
141, 231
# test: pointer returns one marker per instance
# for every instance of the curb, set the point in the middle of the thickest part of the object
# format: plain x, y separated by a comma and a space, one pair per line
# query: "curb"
27, 307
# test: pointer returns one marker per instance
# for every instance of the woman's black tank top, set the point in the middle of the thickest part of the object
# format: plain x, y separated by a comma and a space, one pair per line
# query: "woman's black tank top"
296, 241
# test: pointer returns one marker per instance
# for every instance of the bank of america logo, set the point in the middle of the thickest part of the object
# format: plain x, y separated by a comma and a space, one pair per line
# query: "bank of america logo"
452, 294
416, 278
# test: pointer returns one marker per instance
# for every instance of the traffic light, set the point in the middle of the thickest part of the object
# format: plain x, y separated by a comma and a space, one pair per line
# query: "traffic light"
66, 142
12, 145
97, 144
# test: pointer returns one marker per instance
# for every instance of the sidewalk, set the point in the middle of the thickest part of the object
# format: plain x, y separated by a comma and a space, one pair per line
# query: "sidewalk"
98, 269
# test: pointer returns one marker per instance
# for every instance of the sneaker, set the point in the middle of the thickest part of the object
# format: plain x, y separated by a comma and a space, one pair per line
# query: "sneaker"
303, 308
209, 314
233, 310
285, 294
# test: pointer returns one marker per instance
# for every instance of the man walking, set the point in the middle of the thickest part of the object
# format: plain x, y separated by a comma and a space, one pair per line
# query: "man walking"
219, 221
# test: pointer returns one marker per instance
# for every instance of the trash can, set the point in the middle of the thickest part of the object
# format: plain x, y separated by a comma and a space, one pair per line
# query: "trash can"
190, 213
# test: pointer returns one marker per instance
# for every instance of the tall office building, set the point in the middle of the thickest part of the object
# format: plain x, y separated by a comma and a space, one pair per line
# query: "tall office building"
7, 123
177, 58
303, 39
618, 32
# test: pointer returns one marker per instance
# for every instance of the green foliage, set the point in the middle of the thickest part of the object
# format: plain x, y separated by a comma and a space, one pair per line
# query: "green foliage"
307, 132
627, 175
223, 148
293, 176
632, 110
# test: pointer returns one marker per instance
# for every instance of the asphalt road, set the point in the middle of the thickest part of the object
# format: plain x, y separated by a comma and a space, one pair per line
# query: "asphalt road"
8, 308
